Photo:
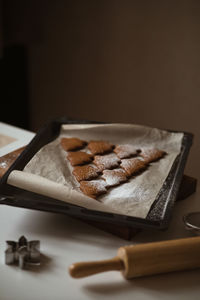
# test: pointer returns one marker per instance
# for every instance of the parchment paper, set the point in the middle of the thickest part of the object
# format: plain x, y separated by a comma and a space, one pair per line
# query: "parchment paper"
133, 198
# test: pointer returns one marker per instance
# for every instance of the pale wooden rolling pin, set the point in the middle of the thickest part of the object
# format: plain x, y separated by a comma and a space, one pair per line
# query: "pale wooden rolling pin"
146, 259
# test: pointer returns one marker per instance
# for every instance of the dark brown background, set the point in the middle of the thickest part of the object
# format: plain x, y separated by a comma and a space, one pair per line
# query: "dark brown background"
120, 61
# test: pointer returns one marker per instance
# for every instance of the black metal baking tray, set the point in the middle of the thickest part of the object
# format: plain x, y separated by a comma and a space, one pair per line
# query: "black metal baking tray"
157, 218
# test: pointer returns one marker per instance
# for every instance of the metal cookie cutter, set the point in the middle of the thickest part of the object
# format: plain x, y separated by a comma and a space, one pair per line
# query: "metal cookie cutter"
22, 252
192, 222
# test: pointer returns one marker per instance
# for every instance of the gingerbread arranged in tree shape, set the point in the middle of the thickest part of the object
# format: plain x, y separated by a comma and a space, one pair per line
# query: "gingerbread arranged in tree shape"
101, 165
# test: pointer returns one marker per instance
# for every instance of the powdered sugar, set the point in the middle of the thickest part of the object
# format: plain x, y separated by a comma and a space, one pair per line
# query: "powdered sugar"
132, 165
152, 154
108, 161
125, 151
93, 188
114, 177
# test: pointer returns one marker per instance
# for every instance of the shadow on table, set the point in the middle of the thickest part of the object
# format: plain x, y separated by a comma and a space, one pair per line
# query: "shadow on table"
45, 265
164, 283
66, 228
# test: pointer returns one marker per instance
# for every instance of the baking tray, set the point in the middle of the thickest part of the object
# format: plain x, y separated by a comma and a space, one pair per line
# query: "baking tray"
159, 213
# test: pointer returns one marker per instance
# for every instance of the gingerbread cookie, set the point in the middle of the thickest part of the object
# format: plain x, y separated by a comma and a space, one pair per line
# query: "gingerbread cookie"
100, 147
109, 161
85, 172
79, 158
114, 177
132, 166
151, 155
93, 188
71, 144
125, 151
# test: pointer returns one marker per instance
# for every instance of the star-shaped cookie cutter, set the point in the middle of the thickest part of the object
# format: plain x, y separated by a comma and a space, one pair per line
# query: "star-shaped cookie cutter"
22, 252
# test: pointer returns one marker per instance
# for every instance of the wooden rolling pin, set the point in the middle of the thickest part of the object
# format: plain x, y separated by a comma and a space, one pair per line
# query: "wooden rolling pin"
146, 259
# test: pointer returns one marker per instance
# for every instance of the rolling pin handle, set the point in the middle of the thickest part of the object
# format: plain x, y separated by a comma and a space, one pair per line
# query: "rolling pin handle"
83, 269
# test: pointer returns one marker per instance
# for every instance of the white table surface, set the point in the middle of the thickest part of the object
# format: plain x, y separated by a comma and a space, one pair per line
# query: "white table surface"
65, 240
